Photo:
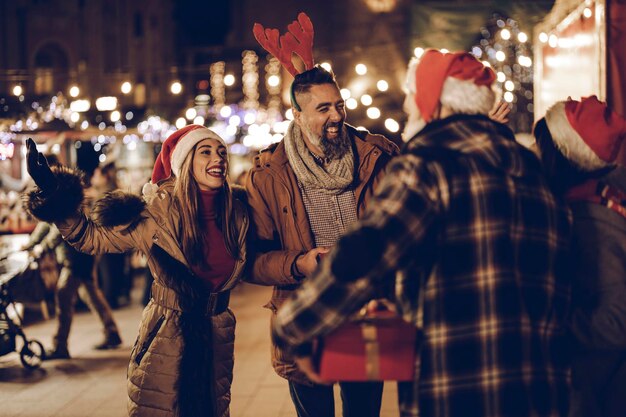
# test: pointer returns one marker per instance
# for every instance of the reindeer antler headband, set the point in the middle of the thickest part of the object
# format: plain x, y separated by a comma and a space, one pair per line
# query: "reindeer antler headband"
298, 39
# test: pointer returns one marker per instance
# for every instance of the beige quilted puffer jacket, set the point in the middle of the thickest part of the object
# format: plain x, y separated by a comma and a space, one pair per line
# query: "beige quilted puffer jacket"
182, 361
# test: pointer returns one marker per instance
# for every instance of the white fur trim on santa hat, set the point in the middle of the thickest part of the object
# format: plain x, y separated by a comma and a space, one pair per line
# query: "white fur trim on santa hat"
465, 97
186, 144
461, 96
569, 142
409, 82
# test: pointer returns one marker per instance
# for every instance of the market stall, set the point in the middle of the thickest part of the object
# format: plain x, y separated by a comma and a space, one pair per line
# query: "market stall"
579, 52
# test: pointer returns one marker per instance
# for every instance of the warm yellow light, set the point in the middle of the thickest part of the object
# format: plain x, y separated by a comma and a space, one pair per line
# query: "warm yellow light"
115, 116
199, 120
525, 61
18, 90
351, 103
366, 99
360, 69
226, 111
249, 118
80, 105
508, 97
74, 91
522, 37
176, 87
345, 93
181, 122
382, 85
392, 125
273, 80
505, 34
231, 130
191, 113
127, 87
289, 114
553, 41
501, 76
326, 66
373, 113
486, 63
587, 12
106, 103
500, 56
509, 85
234, 121
229, 79
75, 117
543, 37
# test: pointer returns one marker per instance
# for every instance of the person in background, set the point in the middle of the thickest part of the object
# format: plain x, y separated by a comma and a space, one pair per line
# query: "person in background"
76, 273
479, 243
110, 267
579, 142
192, 227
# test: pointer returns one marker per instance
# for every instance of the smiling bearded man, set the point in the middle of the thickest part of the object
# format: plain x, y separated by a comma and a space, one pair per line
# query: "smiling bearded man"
304, 193
333, 140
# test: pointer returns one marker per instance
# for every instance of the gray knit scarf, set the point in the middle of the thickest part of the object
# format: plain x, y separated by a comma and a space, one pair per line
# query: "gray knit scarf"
334, 178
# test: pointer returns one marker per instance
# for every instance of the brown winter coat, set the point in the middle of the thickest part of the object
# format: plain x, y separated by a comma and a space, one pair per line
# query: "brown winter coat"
282, 226
155, 363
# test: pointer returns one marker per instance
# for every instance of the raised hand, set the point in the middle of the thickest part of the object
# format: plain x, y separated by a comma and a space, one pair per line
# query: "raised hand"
500, 112
39, 170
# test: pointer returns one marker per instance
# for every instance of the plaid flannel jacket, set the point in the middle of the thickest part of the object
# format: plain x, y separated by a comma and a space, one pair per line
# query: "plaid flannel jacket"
478, 244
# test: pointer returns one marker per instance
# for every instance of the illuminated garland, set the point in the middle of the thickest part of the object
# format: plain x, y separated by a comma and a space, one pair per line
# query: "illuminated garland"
506, 48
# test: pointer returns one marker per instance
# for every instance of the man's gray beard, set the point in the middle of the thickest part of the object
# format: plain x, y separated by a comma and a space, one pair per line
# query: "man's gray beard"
333, 149
336, 148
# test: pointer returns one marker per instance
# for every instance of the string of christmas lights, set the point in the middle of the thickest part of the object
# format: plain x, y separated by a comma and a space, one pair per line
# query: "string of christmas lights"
505, 47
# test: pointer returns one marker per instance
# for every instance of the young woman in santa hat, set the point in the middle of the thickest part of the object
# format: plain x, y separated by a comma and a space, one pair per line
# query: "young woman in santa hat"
579, 142
192, 227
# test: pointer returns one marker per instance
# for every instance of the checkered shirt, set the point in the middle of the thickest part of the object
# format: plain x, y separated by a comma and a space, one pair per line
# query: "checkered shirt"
330, 215
478, 244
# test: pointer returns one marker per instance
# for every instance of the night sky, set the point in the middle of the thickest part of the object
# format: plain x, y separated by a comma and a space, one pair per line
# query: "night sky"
202, 23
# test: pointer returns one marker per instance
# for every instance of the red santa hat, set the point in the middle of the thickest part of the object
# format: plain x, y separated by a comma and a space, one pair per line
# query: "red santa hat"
176, 148
586, 132
458, 80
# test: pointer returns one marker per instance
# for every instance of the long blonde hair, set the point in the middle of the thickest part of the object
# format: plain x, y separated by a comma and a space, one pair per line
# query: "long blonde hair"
187, 196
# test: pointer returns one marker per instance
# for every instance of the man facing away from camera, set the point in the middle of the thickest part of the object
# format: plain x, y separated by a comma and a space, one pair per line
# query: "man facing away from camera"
304, 193
478, 243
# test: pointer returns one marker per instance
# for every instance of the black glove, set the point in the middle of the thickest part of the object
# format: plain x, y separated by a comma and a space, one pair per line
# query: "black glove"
38, 168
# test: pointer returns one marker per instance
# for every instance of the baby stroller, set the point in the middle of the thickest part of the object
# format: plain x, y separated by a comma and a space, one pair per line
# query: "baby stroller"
32, 351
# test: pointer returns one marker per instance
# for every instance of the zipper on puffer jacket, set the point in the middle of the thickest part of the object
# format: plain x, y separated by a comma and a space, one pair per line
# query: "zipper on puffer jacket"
146, 344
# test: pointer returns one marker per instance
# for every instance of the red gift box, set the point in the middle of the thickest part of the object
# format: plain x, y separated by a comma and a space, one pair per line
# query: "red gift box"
369, 349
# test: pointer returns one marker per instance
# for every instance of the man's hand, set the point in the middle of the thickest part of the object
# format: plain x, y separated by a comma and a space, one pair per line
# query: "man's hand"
307, 263
305, 363
500, 112
39, 170
380, 305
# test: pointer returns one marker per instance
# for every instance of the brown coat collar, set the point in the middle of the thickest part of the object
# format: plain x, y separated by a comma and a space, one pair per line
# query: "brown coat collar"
369, 148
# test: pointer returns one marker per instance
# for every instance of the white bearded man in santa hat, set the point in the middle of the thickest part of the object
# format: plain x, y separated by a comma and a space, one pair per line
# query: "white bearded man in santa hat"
579, 142
468, 226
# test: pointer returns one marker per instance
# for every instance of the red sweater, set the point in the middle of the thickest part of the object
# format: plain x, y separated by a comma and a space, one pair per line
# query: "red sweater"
219, 264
